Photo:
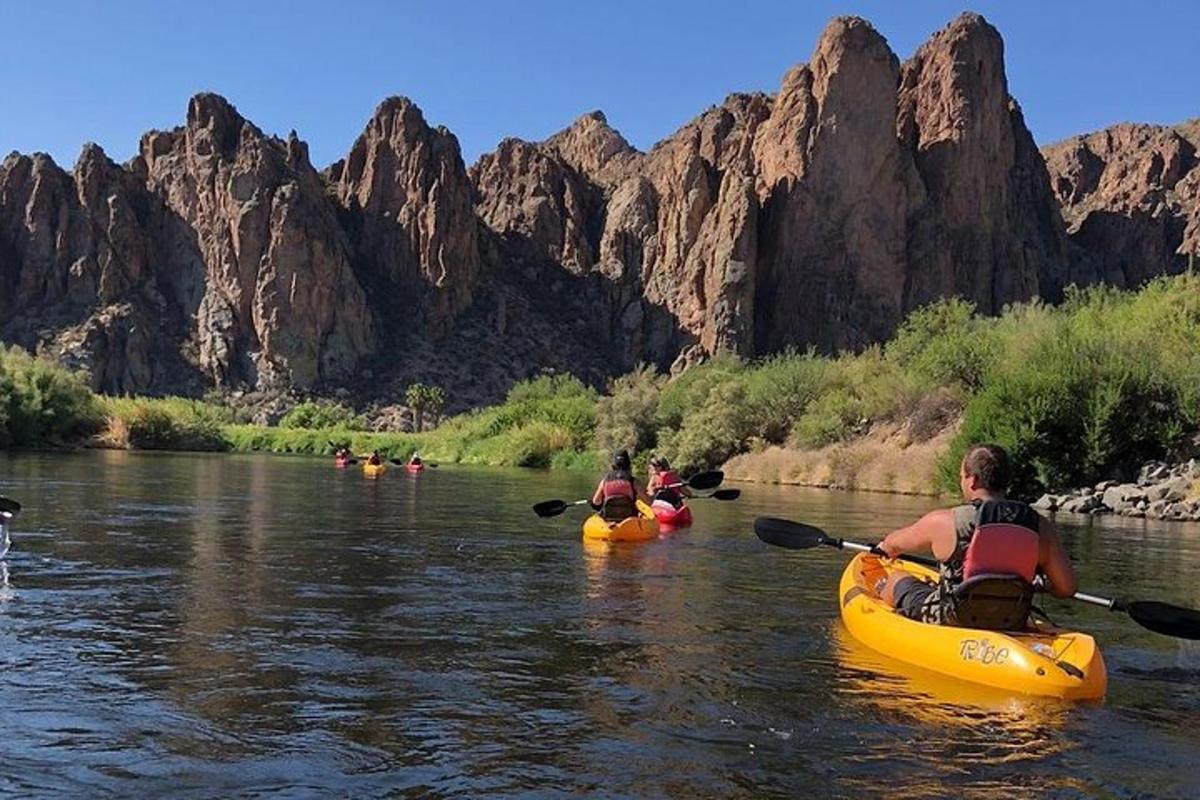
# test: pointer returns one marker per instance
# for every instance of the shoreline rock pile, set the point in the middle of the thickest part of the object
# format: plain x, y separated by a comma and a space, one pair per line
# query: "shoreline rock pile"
1162, 491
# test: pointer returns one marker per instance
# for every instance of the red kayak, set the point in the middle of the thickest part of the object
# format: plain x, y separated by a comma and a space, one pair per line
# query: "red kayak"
341, 463
669, 516
414, 468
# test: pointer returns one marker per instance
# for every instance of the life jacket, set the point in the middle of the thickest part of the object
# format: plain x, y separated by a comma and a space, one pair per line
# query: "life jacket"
988, 580
620, 496
667, 490
619, 484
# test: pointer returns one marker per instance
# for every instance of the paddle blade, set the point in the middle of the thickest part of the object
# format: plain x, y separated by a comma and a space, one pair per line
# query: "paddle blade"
788, 534
9, 506
706, 480
726, 494
550, 508
1164, 618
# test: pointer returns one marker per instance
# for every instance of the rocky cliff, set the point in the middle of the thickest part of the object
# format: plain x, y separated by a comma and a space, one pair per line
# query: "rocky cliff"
815, 216
1130, 196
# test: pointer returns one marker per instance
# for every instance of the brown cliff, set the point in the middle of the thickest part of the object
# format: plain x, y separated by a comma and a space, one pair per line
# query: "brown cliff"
817, 216
1130, 197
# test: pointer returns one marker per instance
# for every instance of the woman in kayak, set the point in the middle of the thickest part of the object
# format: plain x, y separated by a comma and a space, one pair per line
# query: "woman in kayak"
617, 495
988, 535
415, 460
375, 459
665, 484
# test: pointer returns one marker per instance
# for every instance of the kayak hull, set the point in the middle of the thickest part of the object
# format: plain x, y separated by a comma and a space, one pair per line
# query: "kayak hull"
374, 470
670, 517
341, 463
1041, 660
635, 529
415, 468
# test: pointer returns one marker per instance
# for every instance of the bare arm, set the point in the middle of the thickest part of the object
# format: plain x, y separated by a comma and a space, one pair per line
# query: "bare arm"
598, 495
921, 535
641, 494
1054, 561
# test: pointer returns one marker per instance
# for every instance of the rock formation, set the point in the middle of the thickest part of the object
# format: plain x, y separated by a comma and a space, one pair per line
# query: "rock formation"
408, 210
1130, 196
278, 301
815, 217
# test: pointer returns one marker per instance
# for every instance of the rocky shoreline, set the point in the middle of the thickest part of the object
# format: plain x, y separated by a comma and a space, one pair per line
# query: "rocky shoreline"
1161, 491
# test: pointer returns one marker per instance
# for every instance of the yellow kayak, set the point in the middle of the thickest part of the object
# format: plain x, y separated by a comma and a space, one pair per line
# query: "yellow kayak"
635, 529
1041, 660
374, 470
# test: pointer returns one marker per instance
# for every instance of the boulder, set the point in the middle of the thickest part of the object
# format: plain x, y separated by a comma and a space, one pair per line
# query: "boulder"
1082, 505
1118, 497
1048, 502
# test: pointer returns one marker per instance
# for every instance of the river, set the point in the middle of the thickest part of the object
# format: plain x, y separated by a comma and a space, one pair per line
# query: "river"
220, 625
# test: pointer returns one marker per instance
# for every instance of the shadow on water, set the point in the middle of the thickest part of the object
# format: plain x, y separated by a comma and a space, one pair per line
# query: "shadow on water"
217, 625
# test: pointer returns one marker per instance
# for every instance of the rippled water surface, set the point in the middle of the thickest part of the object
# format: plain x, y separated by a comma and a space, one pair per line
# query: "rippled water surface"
233, 625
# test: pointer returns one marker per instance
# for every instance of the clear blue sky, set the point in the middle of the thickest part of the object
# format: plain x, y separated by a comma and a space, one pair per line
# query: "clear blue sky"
71, 72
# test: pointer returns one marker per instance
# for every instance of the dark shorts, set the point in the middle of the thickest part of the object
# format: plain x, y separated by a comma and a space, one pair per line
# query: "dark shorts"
913, 599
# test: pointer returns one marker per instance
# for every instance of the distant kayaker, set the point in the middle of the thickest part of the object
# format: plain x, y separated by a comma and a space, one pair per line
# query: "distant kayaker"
987, 535
415, 461
665, 483
617, 495
375, 459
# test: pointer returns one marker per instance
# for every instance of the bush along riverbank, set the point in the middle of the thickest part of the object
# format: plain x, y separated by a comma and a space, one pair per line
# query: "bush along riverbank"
1079, 393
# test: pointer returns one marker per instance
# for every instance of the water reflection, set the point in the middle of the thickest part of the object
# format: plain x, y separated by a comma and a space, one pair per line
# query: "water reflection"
234, 625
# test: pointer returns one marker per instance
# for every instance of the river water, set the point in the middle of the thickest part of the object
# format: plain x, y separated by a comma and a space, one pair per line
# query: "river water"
215, 626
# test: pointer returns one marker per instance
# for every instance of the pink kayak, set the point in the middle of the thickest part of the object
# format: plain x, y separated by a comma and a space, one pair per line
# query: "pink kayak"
669, 516
414, 468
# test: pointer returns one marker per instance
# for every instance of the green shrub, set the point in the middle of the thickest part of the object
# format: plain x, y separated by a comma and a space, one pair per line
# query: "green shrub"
709, 436
41, 402
779, 390
625, 418
319, 414
945, 344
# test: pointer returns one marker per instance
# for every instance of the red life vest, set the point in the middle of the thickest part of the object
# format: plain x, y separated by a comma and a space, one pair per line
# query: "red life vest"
1005, 541
617, 484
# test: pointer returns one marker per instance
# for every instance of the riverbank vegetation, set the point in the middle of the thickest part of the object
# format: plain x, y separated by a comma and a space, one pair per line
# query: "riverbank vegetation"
1082, 391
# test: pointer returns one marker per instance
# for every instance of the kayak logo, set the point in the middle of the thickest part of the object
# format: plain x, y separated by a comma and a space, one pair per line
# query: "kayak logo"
983, 651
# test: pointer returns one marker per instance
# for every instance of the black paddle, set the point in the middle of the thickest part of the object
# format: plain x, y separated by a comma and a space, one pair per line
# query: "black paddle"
8, 506
1164, 618
701, 480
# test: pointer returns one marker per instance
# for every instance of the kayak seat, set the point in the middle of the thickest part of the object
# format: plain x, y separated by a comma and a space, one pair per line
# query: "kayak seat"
618, 508
993, 602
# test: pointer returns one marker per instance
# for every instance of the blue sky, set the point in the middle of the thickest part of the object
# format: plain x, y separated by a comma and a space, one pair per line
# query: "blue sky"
71, 72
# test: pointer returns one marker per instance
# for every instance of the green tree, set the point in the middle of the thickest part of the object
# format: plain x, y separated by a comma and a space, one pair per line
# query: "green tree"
424, 399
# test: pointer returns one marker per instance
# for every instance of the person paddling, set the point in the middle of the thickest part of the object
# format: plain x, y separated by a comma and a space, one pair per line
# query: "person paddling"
375, 459
415, 460
617, 495
987, 537
665, 484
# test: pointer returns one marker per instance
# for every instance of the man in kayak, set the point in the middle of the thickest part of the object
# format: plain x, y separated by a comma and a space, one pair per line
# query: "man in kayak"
415, 460
617, 495
987, 535
375, 459
665, 484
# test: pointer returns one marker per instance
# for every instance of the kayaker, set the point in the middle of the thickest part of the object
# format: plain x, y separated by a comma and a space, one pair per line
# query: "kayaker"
617, 495
375, 459
665, 484
415, 461
1018, 542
